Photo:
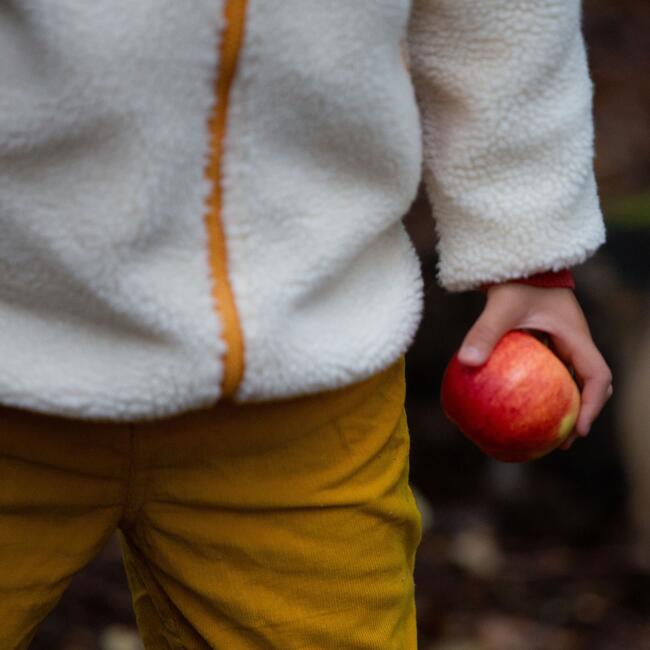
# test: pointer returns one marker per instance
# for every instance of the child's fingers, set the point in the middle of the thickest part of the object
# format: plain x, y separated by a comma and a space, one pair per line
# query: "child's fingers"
569, 441
593, 374
594, 395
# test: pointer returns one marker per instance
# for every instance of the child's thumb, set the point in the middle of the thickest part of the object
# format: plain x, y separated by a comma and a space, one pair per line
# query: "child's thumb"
481, 339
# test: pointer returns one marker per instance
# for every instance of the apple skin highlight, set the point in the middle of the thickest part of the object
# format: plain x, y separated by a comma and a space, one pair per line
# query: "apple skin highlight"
519, 405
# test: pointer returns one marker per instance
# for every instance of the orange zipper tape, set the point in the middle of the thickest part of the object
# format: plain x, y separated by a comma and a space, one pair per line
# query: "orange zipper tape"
231, 41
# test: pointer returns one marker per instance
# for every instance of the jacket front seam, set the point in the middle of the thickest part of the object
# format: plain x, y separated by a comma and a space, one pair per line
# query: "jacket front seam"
222, 292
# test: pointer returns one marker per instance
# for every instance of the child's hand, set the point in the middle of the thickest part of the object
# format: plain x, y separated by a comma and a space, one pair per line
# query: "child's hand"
555, 311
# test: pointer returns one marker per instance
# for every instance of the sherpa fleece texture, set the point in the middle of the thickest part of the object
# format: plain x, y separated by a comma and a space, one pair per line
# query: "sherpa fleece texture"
105, 284
324, 159
506, 102
105, 304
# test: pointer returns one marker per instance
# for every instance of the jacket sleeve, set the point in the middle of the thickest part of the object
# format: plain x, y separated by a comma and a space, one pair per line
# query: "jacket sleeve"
505, 101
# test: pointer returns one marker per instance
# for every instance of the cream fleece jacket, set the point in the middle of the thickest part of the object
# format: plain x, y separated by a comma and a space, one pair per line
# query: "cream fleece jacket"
205, 203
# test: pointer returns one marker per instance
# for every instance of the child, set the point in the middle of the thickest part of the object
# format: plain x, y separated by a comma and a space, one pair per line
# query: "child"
207, 290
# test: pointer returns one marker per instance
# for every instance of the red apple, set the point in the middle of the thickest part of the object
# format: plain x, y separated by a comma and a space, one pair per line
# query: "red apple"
519, 405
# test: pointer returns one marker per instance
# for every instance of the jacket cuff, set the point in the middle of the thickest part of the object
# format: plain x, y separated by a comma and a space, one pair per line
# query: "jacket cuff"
547, 279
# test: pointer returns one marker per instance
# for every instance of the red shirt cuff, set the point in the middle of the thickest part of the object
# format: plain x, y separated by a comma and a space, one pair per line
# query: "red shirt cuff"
547, 279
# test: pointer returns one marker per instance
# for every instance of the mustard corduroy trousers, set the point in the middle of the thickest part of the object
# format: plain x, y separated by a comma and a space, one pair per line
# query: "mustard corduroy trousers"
285, 524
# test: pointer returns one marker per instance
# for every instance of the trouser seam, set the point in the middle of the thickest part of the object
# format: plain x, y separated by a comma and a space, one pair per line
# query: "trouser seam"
166, 616
127, 501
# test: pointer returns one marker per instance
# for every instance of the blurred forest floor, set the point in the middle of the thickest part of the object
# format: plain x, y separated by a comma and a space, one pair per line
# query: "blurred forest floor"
533, 557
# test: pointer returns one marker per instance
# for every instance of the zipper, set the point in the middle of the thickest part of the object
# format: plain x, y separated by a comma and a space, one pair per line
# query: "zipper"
222, 293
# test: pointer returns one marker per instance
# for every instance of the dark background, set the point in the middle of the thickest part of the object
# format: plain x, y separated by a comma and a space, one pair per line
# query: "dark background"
551, 554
